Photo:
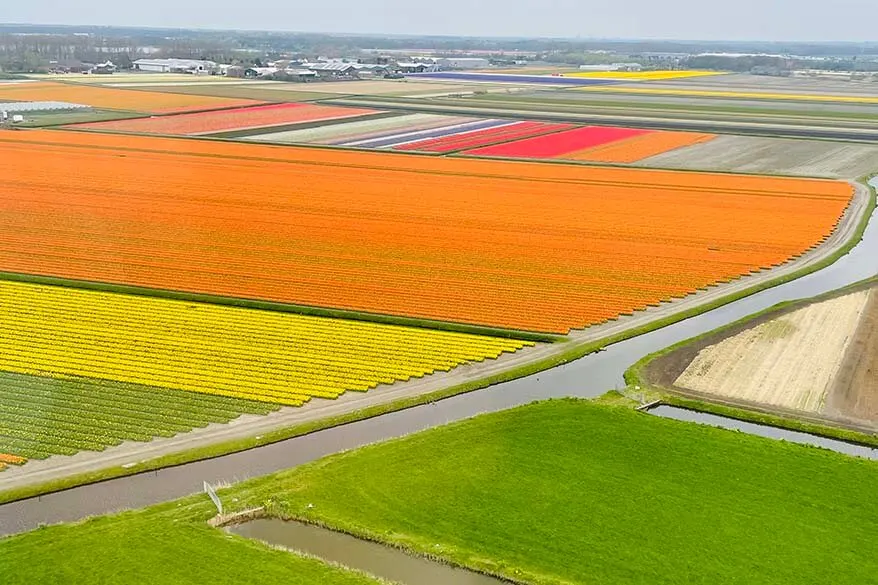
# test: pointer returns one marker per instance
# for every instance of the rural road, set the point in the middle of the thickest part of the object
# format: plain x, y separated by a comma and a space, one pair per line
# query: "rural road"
131, 453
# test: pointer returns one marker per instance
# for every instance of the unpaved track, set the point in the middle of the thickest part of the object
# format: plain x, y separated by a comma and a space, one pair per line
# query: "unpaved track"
131, 453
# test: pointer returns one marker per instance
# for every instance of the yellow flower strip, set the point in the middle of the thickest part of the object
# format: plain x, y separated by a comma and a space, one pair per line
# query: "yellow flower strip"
260, 355
731, 94
643, 75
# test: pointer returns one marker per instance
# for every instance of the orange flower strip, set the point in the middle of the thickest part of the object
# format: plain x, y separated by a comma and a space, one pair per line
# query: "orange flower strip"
512, 244
228, 120
640, 147
12, 459
116, 99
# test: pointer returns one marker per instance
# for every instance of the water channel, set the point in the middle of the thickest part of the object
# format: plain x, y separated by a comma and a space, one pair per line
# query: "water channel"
370, 557
704, 418
589, 376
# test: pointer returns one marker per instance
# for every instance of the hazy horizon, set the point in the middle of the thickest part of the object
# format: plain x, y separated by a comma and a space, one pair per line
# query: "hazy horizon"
745, 20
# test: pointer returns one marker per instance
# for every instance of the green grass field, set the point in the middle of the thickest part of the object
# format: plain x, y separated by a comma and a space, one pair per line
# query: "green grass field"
569, 491
46, 119
44, 416
164, 546
555, 492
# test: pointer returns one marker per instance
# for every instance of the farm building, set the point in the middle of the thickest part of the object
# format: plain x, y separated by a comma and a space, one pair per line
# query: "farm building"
464, 63
175, 66
29, 107
409, 67
612, 67
334, 69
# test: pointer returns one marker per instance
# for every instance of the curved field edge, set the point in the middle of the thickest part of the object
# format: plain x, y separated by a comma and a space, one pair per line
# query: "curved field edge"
638, 377
567, 352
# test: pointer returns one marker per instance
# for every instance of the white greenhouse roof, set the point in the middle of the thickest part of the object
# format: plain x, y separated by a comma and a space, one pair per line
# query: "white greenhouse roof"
18, 107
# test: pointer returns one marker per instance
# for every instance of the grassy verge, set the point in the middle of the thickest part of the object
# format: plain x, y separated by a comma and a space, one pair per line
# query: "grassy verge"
166, 545
571, 352
773, 420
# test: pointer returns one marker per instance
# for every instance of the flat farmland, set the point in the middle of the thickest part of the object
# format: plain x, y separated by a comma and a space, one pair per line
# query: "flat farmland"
84, 370
360, 133
791, 94
517, 245
643, 75
277, 91
116, 99
747, 82
45, 416
200, 123
789, 362
644, 146
667, 100
757, 154
565, 144
609, 144
814, 357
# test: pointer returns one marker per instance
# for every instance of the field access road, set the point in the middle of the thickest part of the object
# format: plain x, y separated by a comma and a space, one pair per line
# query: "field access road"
776, 129
589, 376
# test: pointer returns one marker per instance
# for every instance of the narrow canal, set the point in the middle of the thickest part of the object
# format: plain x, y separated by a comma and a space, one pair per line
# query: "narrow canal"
370, 557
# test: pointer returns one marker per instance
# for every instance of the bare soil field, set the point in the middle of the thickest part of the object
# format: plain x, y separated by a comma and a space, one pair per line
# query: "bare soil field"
790, 361
812, 360
785, 156
854, 392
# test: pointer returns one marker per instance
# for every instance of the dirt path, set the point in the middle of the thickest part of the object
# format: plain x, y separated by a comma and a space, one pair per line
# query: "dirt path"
54, 468
854, 393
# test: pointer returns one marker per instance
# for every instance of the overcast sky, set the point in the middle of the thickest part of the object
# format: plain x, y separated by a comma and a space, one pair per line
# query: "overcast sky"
854, 20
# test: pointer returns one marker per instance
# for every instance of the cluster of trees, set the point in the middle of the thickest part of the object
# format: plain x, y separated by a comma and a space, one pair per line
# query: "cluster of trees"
778, 65
26, 48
